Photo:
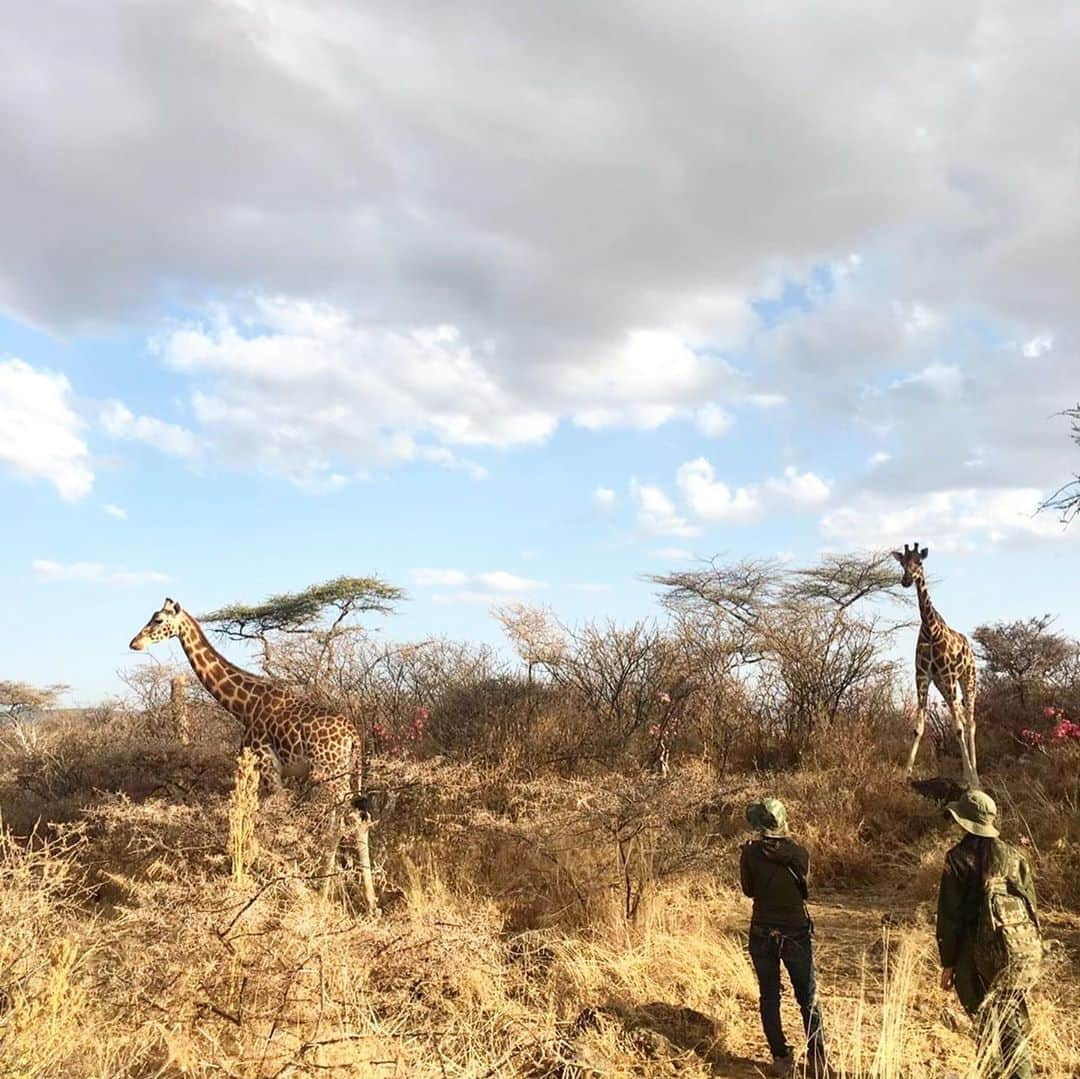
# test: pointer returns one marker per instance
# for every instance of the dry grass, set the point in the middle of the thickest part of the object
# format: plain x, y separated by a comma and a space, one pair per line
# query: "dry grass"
506, 947
243, 812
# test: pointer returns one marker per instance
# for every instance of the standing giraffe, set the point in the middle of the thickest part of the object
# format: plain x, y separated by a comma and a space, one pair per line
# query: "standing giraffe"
944, 657
291, 737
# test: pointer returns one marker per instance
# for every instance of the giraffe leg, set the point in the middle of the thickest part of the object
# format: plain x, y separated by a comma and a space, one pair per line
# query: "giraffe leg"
967, 688
922, 688
959, 717
362, 825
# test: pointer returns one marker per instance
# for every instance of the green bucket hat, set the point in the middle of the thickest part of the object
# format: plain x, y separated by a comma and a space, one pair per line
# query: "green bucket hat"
767, 816
975, 812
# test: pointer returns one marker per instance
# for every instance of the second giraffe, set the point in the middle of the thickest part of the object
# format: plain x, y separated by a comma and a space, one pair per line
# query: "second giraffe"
942, 656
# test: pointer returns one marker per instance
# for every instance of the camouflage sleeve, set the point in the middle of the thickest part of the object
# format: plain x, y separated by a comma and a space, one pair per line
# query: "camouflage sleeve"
1027, 888
746, 878
949, 916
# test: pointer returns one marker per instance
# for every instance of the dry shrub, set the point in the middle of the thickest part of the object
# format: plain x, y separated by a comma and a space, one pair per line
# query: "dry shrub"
243, 809
544, 924
50, 1020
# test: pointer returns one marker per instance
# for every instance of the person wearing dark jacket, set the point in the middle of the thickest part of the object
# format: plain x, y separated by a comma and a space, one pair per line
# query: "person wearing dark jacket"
987, 993
773, 870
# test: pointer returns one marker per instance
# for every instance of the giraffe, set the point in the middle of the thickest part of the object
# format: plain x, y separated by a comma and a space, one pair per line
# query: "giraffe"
292, 738
944, 657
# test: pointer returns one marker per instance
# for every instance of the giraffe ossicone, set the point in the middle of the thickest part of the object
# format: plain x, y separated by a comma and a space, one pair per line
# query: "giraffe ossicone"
945, 657
292, 737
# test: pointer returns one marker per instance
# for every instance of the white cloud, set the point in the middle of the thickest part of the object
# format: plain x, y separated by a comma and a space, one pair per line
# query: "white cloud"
643, 383
1038, 346
474, 282
501, 581
942, 378
656, 512
961, 519
797, 488
39, 430
440, 455
493, 586
604, 497
921, 319
713, 421
300, 387
516, 212
115, 511
710, 500
714, 501
766, 400
55, 572
120, 422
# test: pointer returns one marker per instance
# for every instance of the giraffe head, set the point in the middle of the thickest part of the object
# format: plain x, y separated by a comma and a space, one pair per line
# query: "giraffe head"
162, 625
911, 561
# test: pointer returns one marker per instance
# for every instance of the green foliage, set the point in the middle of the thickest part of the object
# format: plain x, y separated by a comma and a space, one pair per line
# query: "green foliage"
303, 611
1023, 650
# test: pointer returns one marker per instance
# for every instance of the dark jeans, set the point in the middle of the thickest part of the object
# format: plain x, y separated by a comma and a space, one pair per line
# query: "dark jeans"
769, 946
1002, 1026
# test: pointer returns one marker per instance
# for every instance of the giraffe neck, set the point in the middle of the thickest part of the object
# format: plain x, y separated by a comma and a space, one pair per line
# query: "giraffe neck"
930, 618
220, 677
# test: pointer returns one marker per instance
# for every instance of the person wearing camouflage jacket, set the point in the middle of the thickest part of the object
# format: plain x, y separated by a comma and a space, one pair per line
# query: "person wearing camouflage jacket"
996, 1002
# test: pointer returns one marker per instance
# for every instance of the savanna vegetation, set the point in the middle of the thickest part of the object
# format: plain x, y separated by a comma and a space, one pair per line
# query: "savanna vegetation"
555, 850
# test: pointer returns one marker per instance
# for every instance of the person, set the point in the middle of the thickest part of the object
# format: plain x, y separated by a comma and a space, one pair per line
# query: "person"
984, 967
773, 871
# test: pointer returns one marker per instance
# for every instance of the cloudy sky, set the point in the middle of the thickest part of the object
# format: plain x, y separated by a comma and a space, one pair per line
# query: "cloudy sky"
505, 300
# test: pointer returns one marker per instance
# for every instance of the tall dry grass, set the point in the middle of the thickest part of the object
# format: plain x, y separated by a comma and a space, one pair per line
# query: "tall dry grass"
243, 811
507, 946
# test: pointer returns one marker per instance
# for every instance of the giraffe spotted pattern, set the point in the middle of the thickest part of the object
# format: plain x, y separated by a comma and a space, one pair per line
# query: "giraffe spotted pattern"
293, 738
945, 657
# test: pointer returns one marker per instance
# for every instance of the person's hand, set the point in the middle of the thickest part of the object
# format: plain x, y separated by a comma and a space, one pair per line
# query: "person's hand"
948, 978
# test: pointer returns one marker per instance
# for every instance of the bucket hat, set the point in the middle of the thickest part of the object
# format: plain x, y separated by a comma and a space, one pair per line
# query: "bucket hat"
767, 816
975, 812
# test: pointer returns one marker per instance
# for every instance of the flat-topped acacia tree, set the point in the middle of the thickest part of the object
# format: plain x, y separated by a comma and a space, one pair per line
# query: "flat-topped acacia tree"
299, 632
306, 611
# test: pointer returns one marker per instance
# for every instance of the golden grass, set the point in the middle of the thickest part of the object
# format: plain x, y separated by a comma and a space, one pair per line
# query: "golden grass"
146, 940
243, 810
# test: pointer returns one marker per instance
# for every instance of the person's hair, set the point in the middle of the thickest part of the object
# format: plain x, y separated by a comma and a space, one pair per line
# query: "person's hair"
984, 850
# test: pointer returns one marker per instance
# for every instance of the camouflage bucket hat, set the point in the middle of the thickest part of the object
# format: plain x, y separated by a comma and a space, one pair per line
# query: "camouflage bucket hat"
975, 812
768, 816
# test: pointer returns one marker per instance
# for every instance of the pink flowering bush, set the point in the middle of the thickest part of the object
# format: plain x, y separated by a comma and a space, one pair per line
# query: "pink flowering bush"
1063, 730
404, 740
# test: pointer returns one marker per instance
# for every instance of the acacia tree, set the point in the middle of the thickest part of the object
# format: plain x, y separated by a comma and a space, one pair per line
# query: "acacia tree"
798, 628
21, 700
1024, 655
316, 616
1066, 499
305, 611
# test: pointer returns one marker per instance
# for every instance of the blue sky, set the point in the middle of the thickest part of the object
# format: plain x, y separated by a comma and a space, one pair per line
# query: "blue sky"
522, 305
